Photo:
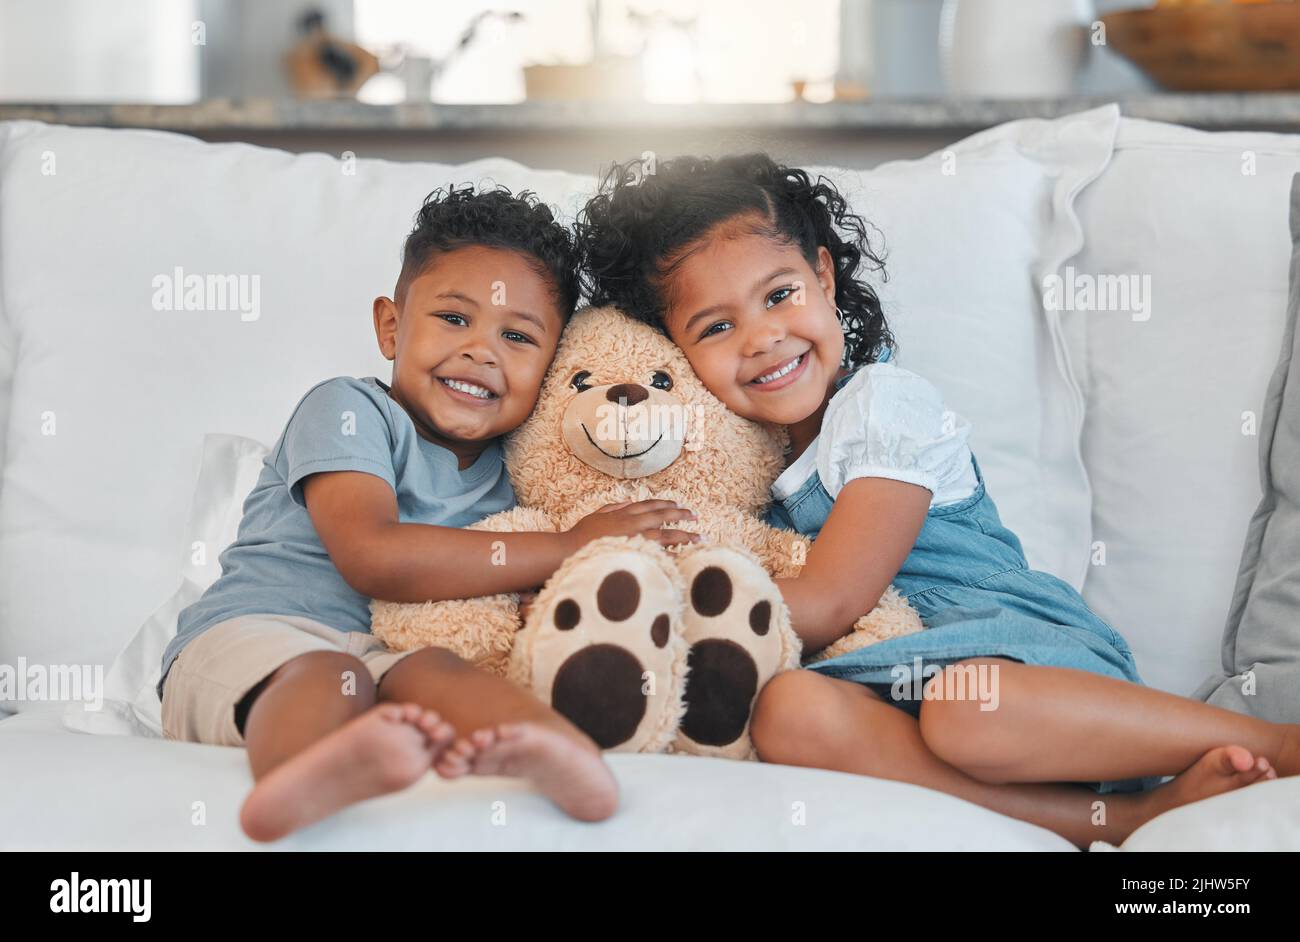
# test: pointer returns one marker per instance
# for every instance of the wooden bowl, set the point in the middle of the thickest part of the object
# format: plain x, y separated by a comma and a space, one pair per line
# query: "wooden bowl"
1216, 47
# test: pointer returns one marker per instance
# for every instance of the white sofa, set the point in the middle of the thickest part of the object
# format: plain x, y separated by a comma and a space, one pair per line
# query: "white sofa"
1112, 442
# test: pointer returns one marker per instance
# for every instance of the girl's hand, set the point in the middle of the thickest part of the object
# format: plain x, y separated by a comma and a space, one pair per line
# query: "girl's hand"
526, 600
633, 518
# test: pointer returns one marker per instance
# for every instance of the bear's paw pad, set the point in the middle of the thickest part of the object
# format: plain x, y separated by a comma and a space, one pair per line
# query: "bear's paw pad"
605, 652
738, 630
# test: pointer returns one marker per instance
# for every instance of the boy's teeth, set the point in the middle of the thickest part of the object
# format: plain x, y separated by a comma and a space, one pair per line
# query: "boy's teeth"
781, 372
470, 388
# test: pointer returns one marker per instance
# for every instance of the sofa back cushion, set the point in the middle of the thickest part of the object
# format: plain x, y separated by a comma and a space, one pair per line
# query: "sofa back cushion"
113, 393
1195, 225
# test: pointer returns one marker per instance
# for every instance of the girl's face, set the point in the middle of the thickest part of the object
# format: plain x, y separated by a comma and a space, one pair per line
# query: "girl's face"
744, 308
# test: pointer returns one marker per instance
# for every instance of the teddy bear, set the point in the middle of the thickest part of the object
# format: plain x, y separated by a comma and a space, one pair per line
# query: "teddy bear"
645, 648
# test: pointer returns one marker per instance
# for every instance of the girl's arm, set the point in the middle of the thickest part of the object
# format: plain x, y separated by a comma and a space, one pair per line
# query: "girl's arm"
866, 537
355, 515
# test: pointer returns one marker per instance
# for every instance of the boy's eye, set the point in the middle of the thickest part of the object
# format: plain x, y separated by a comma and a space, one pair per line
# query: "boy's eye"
446, 314
783, 292
512, 334
579, 381
661, 380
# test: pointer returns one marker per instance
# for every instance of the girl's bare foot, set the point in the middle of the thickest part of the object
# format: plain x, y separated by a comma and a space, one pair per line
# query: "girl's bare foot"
1223, 769
575, 777
383, 750
1287, 761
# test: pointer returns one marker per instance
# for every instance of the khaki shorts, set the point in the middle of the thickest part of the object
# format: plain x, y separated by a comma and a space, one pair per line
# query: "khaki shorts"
218, 667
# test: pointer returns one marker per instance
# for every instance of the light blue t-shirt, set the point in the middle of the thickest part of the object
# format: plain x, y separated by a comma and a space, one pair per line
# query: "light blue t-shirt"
278, 565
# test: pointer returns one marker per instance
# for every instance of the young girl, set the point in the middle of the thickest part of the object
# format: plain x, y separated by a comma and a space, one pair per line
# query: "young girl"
1028, 703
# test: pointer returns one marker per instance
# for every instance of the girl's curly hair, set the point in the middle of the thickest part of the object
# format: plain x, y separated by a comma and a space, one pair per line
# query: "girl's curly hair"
641, 224
454, 218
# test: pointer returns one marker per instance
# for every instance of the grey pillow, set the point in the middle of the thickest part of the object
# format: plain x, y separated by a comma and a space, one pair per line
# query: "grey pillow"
1261, 643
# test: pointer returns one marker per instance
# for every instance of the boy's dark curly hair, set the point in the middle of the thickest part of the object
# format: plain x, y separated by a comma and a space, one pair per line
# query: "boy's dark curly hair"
454, 218
640, 226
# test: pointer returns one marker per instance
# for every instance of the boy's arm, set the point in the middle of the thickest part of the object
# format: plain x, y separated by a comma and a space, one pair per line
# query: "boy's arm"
867, 536
355, 515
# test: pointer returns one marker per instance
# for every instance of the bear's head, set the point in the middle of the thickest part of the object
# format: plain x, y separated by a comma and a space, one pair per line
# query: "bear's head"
620, 407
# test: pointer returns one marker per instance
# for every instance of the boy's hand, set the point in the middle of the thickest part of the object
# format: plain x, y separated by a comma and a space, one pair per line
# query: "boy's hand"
633, 518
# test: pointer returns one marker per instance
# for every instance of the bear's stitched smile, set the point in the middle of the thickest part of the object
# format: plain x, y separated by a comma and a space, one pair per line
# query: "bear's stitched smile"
619, 457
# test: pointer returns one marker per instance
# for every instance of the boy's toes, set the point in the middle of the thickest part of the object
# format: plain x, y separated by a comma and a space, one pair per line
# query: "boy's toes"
450, 767
455, 759
435, 728
483, 738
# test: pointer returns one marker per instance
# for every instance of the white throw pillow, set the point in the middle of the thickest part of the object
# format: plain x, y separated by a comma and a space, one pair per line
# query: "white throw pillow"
1176, 391
231, 465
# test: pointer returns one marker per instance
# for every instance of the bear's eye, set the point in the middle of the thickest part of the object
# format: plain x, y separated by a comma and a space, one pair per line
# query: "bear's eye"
661, 380
579, 381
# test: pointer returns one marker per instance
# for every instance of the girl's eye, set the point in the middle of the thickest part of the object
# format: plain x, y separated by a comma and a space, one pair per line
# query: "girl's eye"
661, 380
783, 292
579, 381
709, 332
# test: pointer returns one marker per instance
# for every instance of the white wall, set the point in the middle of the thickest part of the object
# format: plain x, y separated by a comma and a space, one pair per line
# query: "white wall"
95, 50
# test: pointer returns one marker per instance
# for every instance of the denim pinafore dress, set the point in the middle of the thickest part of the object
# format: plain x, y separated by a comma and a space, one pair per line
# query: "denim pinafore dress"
968, 579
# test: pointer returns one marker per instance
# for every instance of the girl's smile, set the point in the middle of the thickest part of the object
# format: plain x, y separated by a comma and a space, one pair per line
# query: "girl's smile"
782, 376
758, 325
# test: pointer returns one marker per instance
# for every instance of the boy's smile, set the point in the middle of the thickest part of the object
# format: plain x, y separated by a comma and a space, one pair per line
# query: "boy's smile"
758, 326
470, 343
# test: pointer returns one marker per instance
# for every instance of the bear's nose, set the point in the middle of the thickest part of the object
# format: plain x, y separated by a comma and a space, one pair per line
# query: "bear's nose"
632, 392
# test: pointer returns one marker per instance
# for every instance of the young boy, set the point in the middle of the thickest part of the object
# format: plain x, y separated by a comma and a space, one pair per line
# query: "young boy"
363, 496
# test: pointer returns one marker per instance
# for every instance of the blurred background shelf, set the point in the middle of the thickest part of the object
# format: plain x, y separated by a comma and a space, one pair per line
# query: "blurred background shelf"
1278, 111
574, 84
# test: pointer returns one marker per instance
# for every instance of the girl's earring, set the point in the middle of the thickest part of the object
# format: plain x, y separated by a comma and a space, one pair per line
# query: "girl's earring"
838, 313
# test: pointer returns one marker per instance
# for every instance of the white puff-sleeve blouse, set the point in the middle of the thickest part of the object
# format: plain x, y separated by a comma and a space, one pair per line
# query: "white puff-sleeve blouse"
887, 422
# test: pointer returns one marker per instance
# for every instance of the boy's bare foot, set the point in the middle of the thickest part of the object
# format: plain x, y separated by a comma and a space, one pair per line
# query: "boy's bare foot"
383, 750
574, 777
1222, 769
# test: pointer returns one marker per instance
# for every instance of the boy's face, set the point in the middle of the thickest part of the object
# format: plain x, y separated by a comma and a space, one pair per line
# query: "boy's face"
477, 316
764, 309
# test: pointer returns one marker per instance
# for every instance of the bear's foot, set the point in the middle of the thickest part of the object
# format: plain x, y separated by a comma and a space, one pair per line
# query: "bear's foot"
603, 645
738, 629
